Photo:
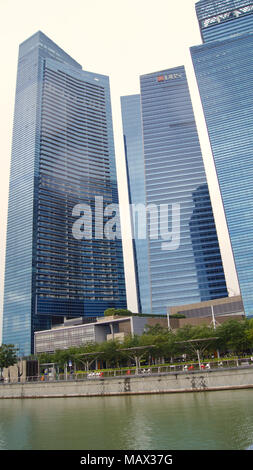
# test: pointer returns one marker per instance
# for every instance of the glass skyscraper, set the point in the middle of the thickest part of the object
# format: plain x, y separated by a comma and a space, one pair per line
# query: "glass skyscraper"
224, 71
133, 140
217, 18
165, 166
62, 157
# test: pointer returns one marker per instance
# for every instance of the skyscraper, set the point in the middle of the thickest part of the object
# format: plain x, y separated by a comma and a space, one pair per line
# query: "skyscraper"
224, 71
165, 166
62, 163
219, 19
133, 140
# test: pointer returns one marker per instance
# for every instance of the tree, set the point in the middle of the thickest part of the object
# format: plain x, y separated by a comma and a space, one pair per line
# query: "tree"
87, 354
192, 332
232, 335
198, 346
110, 353
163, 340
8, 356
124, 312
185, 333
249, 332
44, 357
61, 357
137, 348
109, 312
186, 336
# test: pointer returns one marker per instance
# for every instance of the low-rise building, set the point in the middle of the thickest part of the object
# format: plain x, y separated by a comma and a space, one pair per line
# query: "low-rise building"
76, 333
206, 313
176, 323
226, 305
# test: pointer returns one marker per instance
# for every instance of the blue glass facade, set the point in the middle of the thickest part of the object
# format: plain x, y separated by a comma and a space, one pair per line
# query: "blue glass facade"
173, 173
224, 71
62, 155
133, 140
217, 18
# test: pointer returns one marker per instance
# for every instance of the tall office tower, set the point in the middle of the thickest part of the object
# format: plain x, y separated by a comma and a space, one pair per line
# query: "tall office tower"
224, 71
133, 140
165, 166
219, 19
62, 157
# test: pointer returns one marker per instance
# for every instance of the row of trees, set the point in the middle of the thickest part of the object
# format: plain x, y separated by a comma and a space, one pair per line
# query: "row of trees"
157, 344
160, 345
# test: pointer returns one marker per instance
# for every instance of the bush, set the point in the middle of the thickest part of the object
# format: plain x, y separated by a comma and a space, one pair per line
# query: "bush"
117, 311
177, 315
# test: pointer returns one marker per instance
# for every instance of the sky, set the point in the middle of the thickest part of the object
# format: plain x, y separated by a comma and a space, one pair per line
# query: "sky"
123, 39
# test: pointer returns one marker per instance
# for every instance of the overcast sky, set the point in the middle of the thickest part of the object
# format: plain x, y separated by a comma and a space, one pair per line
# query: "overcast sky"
120, 38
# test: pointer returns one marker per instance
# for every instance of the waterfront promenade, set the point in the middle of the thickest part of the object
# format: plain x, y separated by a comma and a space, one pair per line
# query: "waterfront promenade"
152, 383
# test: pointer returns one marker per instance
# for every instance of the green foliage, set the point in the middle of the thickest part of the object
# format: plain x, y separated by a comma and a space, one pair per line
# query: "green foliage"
8, 355
110, 352
232, 335
249, 335
61, 357
177, 315
163, 340
185, 333
109, 312
131, 342
44, 358
117, 311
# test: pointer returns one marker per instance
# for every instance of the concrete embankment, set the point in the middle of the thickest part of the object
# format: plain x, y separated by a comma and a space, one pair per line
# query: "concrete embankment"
196, 381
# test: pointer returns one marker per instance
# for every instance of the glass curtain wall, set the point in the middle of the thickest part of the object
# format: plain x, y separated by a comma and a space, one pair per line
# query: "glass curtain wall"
62, 155
224, 71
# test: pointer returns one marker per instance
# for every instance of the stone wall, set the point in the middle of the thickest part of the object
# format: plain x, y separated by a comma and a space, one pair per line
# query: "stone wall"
196, 381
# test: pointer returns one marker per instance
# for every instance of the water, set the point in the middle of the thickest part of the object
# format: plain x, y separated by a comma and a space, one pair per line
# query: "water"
206, 420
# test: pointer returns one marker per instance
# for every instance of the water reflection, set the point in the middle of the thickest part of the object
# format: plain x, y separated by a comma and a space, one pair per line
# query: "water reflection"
209, 420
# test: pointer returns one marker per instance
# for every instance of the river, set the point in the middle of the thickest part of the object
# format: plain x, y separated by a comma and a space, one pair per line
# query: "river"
206, 420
